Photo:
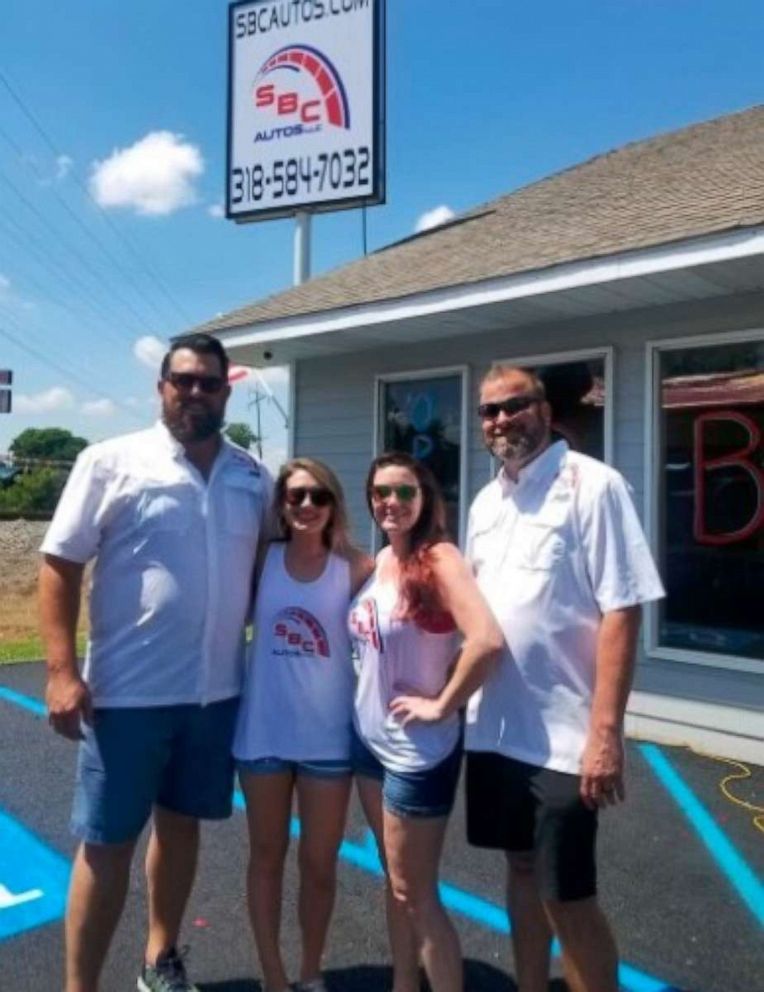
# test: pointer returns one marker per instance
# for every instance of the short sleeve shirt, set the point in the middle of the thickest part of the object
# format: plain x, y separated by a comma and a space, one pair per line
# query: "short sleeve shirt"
552, 553
174, 556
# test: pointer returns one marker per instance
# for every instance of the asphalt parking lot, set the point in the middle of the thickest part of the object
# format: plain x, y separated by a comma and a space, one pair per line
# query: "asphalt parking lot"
681, 878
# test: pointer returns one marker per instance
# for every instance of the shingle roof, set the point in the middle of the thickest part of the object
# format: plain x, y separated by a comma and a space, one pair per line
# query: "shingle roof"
700, 180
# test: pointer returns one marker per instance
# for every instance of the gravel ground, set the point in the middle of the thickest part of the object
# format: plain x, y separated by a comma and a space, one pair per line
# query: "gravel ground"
19, 541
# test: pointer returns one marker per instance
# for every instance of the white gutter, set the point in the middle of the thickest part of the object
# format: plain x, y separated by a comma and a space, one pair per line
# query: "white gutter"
570, 275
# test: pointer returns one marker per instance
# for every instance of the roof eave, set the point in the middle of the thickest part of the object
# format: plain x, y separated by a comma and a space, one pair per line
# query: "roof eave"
688, 254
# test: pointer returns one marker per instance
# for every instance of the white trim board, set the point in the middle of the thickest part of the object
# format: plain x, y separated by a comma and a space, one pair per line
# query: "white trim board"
570, 275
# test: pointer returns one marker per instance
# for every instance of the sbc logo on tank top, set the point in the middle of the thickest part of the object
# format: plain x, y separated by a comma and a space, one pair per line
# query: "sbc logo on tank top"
364, 624
297, 633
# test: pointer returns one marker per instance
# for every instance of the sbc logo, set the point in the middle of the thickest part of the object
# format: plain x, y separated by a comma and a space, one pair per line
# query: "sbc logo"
298, 632
314, 94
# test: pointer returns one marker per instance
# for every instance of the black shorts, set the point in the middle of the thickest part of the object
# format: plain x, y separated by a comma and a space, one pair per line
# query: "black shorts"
516, 807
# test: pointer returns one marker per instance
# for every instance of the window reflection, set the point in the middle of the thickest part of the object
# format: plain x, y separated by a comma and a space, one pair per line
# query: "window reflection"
576, 393
423, 417
712, 498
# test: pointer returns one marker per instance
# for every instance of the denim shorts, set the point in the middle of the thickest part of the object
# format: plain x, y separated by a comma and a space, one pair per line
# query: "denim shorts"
178, 757
275, 766
429, 792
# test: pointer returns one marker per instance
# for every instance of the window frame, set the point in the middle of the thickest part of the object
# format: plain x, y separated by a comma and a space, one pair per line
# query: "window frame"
439, 372
652, 490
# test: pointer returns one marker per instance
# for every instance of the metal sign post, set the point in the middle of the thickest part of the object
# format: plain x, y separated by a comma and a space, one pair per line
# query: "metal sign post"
301, 247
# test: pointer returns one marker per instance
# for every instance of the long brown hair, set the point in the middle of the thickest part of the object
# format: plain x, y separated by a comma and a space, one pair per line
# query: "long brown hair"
419, 592
336, 535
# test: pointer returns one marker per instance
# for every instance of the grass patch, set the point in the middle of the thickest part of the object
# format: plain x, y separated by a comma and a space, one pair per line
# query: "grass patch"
25, 649
30, 649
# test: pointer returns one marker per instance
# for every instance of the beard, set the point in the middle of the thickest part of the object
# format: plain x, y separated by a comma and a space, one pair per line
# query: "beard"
518, 445
189, 423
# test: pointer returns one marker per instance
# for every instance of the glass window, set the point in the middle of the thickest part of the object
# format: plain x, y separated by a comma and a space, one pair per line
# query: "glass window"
423, 417
576, 393
711, 498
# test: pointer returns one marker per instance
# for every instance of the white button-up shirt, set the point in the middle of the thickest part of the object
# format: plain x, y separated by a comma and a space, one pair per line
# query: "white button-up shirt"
552, 552
172, 581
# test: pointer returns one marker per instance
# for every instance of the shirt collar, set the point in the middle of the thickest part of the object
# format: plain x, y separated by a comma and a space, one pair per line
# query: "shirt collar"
177, 450
543, 466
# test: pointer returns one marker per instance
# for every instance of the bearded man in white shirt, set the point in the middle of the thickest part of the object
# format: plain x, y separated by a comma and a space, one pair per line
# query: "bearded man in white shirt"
172, 516
560, 556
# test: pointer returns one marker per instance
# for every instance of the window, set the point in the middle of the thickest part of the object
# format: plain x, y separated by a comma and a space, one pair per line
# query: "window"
577, 386
423, 415
710, 498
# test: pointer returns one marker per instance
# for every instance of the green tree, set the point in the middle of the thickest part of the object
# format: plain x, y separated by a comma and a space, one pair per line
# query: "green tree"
48, 442
241, 434
36, 491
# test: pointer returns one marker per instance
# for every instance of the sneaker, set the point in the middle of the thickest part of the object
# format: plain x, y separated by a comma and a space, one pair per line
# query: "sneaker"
167, 975
314, 985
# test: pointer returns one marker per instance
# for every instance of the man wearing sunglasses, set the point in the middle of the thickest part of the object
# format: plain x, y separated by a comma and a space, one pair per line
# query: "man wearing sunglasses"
560, 556
173, 517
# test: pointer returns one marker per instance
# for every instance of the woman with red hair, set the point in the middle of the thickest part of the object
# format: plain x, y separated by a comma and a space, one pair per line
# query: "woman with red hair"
414, 675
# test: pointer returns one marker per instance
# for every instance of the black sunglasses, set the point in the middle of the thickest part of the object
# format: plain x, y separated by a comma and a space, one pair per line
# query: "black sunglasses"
317, 496
186, 381
515, 404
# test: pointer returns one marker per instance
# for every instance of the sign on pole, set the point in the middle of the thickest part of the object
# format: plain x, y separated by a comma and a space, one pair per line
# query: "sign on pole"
305, 106
6, 379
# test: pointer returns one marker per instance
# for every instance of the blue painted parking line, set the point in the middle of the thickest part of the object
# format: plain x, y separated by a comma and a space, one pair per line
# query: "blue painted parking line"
493, 916
467, 904
25, 702
33, 879
720, 847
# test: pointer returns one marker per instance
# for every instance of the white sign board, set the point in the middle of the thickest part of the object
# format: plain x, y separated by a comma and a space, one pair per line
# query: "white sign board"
305, 106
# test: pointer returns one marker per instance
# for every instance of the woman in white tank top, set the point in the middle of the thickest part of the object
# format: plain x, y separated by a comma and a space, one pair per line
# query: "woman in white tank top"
413, 678
293, 734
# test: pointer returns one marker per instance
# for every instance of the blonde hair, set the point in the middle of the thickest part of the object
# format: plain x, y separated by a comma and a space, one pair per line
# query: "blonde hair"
336, 535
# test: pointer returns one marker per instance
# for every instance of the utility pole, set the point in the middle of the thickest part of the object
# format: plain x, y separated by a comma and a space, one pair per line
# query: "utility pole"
255, 399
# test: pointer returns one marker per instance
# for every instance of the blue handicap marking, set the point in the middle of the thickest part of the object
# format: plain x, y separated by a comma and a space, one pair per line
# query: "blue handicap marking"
33, 879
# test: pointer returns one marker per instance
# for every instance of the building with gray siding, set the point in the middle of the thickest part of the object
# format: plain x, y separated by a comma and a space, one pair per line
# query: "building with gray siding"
634, 283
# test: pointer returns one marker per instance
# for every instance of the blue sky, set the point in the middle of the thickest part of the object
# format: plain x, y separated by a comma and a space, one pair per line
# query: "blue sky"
483, 96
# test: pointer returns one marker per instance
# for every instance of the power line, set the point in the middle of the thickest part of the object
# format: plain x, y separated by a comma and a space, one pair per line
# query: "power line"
69, 247
67, 373
35, 247
83, 187
80, 224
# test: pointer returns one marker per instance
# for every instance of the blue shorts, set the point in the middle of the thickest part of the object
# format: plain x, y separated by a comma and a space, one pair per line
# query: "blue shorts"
276, 766
426, 793
178, 757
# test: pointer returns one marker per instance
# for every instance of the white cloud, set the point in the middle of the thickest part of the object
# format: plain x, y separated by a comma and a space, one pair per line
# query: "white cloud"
154, 176
99, 408
64, 165
150, 351
433, 218
216, 210
49, 401
5, 284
